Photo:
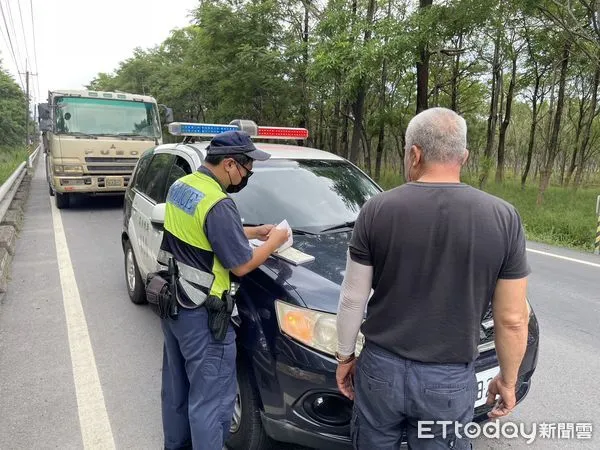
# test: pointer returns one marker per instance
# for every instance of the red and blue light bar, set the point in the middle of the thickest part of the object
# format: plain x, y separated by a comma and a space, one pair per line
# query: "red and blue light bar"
211, 129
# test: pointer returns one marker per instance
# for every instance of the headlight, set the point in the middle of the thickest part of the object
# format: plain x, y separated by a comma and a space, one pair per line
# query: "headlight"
314, 329
68, 169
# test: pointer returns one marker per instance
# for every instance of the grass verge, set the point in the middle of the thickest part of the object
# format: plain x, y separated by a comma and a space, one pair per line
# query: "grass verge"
10, 158
567, 218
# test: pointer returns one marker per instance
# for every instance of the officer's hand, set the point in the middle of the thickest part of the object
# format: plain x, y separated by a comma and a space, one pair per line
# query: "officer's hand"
262, 232
278, 237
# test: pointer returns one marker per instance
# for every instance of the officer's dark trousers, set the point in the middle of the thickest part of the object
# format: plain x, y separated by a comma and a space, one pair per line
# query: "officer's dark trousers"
392, 395
198, 383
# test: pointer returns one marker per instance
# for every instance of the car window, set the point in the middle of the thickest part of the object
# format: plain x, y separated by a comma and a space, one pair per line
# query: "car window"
142, 165
179, 169
311, 194
155, 179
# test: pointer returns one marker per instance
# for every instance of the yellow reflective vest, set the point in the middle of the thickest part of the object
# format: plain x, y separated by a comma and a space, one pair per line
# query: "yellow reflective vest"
189, 201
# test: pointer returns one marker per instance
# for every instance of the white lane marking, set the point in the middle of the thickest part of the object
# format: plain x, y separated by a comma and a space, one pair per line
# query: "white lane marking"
95, 427
566, 258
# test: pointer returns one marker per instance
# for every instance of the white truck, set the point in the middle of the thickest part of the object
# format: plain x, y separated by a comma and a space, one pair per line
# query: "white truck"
94, 139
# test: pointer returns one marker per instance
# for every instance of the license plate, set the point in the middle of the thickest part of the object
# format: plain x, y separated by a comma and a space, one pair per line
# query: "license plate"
483, 381
114, 181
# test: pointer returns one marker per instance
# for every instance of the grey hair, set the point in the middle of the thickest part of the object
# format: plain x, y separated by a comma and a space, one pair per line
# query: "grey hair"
440, 133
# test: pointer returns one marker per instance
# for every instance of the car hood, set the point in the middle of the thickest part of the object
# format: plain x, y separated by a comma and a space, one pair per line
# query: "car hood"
317, 283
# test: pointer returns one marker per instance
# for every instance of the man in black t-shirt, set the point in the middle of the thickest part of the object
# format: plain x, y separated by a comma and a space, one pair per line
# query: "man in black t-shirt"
436, 252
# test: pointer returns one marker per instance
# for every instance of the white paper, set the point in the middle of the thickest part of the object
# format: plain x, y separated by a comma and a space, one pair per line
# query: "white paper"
283, 225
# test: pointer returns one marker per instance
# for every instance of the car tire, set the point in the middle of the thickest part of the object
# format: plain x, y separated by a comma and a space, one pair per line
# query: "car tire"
62, 200
248, 433
133, 279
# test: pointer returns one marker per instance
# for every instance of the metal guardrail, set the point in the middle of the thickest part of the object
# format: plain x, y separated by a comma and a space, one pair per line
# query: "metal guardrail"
33, 156
11, 185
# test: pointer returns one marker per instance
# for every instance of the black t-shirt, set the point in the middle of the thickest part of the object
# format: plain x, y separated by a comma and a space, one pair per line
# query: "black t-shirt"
437, 251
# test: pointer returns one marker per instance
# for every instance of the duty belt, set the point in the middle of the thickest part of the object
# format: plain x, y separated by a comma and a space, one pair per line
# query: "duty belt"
189, 278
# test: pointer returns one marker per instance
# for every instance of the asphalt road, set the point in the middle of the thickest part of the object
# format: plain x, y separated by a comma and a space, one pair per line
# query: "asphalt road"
47, 388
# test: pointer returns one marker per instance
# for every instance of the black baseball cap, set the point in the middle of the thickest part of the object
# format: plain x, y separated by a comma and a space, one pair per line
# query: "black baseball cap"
235, 142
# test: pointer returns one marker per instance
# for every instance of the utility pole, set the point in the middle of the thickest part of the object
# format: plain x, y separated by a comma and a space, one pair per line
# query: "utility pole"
27, 75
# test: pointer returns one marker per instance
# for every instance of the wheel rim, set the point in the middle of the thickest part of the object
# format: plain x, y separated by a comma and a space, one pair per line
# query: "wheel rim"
236, 420
130, 271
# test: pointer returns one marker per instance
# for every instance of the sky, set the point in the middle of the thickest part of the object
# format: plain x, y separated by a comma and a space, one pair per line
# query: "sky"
77, 39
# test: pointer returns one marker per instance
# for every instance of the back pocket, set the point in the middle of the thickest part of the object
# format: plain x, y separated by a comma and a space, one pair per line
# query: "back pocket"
447, 398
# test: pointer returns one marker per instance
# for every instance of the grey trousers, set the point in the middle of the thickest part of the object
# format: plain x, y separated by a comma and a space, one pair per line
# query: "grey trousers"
397, 398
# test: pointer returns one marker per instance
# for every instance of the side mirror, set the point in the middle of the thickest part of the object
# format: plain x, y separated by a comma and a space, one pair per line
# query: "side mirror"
44, 117
43, 111
157, 217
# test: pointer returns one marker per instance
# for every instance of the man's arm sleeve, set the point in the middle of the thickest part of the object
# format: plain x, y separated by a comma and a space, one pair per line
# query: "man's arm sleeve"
516, 265
226, 235
356, 289
359, 243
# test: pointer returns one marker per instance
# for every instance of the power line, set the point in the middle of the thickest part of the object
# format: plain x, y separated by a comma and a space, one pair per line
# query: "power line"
12, 48
23, 29
37, 69
12, 22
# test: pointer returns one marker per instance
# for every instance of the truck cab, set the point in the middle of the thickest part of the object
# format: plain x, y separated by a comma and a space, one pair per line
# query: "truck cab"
93, 140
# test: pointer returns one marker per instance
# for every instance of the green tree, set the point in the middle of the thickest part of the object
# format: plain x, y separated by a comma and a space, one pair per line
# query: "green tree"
12, 111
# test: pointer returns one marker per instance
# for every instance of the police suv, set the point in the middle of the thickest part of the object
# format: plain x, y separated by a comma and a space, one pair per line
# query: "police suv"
286, 334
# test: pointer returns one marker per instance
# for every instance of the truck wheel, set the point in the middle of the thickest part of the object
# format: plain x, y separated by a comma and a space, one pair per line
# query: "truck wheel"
246, 431
62, 200
135, 284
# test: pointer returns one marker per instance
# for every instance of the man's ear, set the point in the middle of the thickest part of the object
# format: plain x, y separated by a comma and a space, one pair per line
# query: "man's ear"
416, 155
465, 158
228, 162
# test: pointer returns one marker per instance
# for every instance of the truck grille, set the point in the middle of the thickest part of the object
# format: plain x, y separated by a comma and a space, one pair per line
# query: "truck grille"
110, 165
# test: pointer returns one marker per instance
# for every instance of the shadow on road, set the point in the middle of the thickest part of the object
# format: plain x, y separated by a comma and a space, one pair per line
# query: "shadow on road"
94, 203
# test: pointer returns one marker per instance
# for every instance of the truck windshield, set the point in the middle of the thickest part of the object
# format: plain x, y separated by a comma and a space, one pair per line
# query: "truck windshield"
92, 116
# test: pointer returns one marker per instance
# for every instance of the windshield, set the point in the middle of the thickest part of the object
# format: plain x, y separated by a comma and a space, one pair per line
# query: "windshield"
311, 194
95, 116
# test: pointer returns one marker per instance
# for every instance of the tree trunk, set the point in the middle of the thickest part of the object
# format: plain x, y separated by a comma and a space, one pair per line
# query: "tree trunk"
320, 138
358, 107
532, 131
455, 77
304, 107
563, 167
345, 124
588, 128
382, 106
336, 119
493, 117
506, 121
553, 147
367, 147
423, 66
573, 163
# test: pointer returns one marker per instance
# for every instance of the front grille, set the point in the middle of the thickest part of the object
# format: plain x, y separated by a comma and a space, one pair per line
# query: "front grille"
93, 159
121, 169
112, 166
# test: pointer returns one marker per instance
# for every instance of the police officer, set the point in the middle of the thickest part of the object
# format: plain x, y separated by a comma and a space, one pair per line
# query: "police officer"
203, 233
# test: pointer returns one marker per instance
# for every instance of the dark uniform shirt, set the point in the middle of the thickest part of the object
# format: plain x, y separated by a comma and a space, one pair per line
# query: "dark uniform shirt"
437, 251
